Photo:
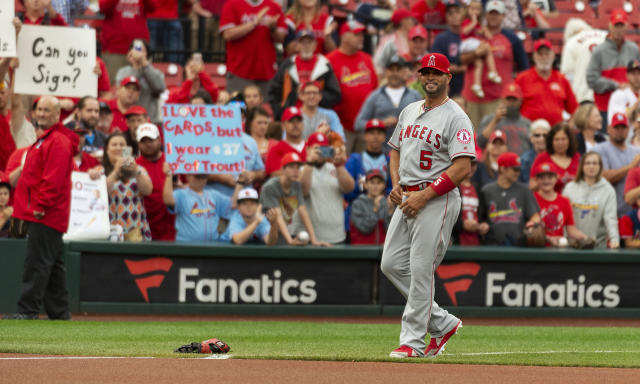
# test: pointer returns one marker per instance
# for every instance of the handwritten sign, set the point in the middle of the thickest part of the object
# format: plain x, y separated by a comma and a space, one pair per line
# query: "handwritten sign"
203, 138
7, 30
56, 61
89, 219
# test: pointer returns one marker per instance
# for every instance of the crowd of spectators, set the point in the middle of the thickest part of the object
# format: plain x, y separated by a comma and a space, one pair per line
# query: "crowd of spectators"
559, 147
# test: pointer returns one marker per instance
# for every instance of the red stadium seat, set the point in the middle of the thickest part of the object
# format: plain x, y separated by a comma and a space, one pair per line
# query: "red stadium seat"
172, 73
218, 72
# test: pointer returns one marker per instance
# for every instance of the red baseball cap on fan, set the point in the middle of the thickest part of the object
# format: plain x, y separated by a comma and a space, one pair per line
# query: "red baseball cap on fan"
618, 16
130, 80
545, 168
619, 118
351, 26
512, 90
436, 61
318, 138
290, 158
509, 159
541, 43
375, 124
400, 14
498, 135
417, 31
290, 113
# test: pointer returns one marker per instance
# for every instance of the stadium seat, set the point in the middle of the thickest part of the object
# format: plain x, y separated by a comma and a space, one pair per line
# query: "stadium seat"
173, 76
218, 72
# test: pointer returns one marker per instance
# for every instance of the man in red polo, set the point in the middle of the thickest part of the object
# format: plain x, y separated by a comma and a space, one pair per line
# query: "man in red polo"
546, 92
293, 141
127, 96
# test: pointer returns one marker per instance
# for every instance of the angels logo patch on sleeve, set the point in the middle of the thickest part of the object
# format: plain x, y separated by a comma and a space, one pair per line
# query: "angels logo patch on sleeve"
464, 136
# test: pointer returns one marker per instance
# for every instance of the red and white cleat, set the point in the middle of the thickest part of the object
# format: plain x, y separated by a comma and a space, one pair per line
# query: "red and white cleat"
436, 346
404, 352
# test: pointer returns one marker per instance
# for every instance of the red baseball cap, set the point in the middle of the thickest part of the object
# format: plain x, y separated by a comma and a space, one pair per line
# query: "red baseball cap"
436, 61
417, 31
400, 14
135, 110
318, 138
619, 118
509, 159
544, 168
375, 124
290, 158
308, 83
541, 43
290, 113
351, 26
512, 90
619, 16
375, 173
130, 80
498, 135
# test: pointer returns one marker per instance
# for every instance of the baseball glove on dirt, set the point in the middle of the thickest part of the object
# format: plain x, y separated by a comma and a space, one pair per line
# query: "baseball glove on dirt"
208, 346
535, 236
587, 243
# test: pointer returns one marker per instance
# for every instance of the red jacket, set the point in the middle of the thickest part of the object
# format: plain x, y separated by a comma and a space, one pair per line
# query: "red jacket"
183, 94
45, 182
124, 21
7, 145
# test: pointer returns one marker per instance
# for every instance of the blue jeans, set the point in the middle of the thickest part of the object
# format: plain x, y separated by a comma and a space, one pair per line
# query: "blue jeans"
167, 35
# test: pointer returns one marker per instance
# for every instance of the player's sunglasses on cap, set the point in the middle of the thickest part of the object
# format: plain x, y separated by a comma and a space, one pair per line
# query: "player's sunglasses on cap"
435, 61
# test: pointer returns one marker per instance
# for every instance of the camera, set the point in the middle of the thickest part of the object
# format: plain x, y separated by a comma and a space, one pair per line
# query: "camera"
137, 45
327, 152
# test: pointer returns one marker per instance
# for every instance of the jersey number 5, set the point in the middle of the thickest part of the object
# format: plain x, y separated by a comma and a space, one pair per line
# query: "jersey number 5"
425, 160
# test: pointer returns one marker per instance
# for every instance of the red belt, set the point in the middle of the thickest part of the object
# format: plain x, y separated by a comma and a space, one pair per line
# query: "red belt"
417, 187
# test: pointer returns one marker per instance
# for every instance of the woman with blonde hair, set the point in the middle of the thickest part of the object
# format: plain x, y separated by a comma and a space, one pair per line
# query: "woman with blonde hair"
593, 201
588, 121
307, 14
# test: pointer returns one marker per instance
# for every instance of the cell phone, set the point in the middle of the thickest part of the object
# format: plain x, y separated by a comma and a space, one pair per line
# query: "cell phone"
137, 45
327, 152
197, 57
127, 152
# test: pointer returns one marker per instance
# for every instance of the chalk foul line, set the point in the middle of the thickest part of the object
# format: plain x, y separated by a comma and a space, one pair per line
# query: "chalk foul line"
529, 353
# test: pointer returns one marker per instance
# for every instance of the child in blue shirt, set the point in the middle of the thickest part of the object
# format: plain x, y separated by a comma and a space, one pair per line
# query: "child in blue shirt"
198, 210
248, 224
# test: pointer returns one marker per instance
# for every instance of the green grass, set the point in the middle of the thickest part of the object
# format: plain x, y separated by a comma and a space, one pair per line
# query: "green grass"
570, 346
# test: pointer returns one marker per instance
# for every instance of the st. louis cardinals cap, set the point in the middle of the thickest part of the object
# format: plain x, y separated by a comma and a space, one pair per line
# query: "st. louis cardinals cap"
290, 158
619, 118
509, 159
147, 130
512, 90
544, 168
541, 43
498, 135
417, 31
130, 80
318, 138
436, 61
375, 173
290, 113
247, 194
135, 110
375, 124
618, 16
351, 26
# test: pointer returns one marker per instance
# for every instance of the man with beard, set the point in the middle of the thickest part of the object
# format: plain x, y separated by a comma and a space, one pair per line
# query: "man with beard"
324, 182
42, 200
127, 96
546, 92
618, 158
507, 119
161, 222
301, 69
87, 116
293, 141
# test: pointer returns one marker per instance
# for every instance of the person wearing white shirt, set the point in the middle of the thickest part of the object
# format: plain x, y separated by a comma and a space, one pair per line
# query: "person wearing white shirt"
625, 100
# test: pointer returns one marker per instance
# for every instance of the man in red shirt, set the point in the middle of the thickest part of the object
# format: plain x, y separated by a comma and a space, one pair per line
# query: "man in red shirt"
161, 222
357, 77
196, 79
127, 96
41, 13
251, 28
555, 210
430, 12
124, 21
135, 116
293, 141
546, 92
42, 200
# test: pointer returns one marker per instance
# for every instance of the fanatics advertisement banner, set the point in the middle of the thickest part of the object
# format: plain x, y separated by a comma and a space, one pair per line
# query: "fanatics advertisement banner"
108, 278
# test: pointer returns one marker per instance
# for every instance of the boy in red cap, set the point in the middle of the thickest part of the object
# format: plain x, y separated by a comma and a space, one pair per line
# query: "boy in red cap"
370, 214
555, 210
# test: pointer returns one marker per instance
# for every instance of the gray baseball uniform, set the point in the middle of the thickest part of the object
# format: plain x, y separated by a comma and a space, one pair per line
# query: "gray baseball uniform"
428, 141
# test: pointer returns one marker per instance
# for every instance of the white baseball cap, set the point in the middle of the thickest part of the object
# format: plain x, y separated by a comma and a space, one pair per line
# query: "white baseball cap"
495, 5
147, 130
247, 194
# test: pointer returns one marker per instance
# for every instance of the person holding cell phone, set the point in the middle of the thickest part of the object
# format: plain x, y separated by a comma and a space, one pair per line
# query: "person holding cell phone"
324, 182
127, 185
150, 79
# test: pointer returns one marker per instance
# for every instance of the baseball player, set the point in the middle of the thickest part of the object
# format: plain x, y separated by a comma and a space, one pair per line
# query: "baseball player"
433, 147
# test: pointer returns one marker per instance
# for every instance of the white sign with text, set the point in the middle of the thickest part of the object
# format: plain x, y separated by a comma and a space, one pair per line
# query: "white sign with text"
89, 219
7, 30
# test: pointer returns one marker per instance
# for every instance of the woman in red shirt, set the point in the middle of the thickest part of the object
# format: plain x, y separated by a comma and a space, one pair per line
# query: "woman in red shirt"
562, 154
306, 14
